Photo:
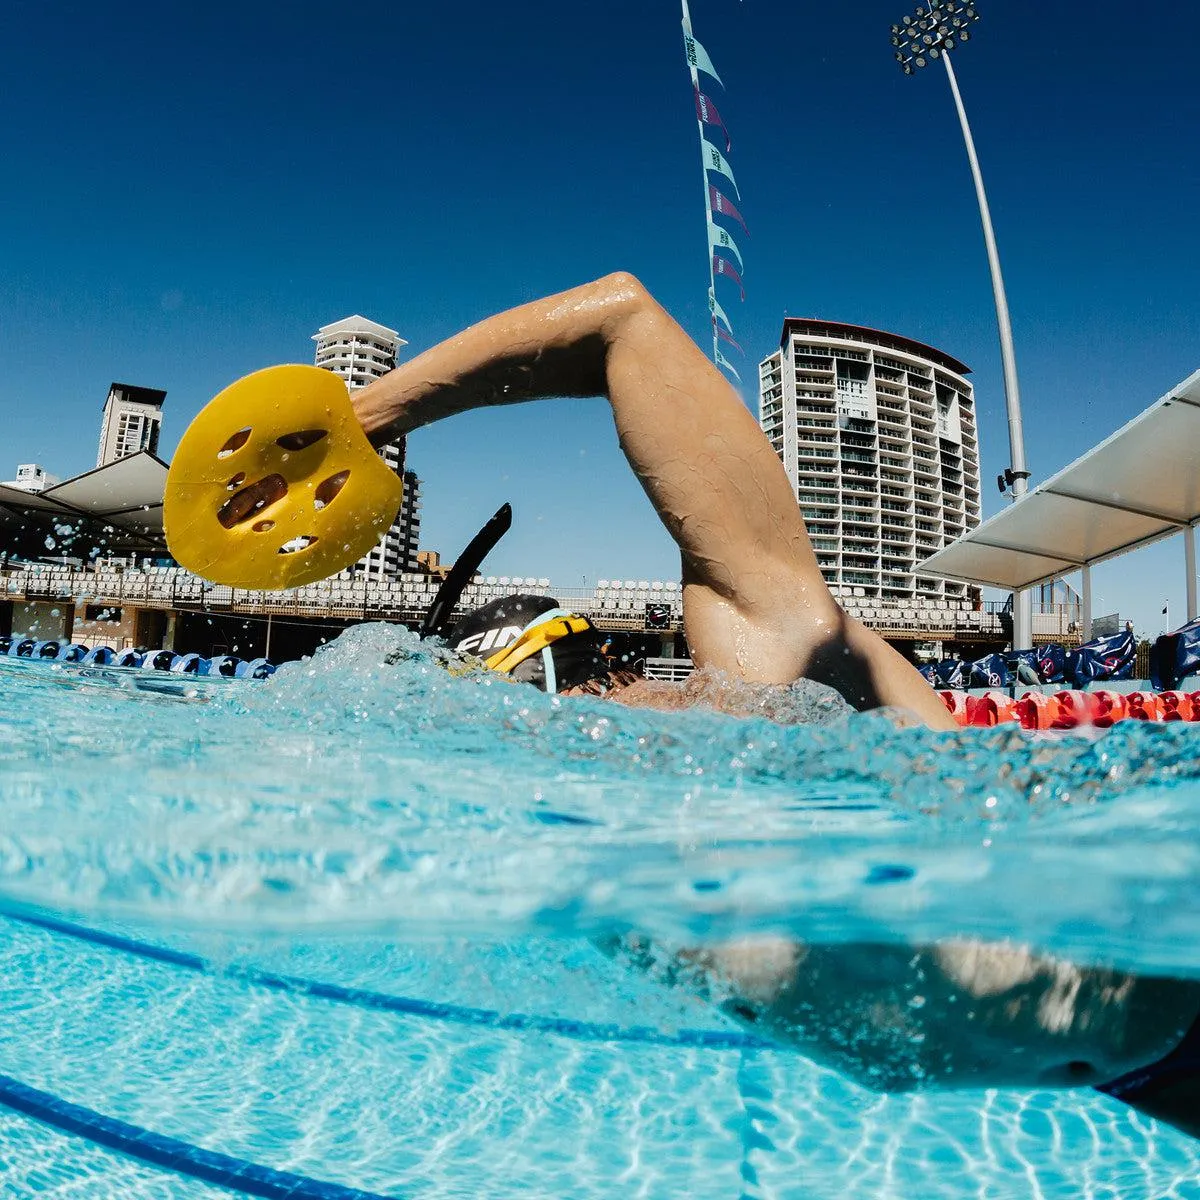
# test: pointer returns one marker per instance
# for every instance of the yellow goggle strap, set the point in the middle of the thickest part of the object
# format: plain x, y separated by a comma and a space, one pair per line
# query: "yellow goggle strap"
536, 637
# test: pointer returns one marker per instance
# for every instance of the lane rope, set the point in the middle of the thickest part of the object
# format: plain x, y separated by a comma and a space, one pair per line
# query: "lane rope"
172, 1154
485, 1018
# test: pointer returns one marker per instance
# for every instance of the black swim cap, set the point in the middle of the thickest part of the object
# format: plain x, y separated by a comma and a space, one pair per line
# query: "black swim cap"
573, 653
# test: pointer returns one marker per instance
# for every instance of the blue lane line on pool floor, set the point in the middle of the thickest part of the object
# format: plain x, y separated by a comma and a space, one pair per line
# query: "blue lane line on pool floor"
157, 1150
486, 1018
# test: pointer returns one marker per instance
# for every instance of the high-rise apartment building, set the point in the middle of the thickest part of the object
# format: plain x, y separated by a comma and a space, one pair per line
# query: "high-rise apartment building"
359, 351
132, 421
877, 434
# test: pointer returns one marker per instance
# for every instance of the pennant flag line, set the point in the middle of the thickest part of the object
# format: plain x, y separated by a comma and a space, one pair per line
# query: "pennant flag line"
723, 251
714, 160
697, 56
717, 311
706, 114
719, 239
728, 337
722, 361
722, 266
723, 206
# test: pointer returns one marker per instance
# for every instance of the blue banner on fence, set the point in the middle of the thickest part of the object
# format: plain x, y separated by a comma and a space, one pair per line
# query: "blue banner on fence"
1105, 658
950, 673
989, 672
1174, 656
1051, 663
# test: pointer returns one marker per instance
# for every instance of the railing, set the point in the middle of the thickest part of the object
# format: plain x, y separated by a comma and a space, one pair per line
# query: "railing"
640, 608
672, 670
407, 600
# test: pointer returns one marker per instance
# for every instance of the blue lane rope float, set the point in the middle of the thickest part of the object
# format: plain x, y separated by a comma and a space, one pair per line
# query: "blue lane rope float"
76, 654
434, 1010
172, 1154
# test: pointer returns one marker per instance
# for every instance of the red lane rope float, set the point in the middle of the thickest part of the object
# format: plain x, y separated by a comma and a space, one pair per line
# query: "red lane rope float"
994, 708
1070, 708
1108, 708
1035, 710
1179, 706
956, 705
1144, 706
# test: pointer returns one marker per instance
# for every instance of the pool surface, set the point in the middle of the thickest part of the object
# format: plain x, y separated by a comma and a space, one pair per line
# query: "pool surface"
334, 934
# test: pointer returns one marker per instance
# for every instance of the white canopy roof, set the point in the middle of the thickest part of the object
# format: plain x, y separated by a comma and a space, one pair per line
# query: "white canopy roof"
128, 492
126, 496
1136, 487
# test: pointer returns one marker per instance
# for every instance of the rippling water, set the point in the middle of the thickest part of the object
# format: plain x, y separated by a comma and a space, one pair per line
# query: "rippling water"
368, 787
365, 821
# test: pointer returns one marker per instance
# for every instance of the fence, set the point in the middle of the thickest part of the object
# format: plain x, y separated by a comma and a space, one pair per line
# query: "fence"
637, 606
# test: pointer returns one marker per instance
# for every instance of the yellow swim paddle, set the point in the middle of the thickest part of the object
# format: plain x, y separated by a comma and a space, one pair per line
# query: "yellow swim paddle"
275, 485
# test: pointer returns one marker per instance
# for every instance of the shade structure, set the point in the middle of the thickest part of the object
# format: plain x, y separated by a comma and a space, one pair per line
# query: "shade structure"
1138, 486
115, 509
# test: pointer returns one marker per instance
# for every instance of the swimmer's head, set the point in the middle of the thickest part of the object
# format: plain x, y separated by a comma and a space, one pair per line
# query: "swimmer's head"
533, 640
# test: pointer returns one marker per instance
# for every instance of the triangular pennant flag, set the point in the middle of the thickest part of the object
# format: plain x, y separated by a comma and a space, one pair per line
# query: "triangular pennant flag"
719, 239
722, 266
706, 114
722, 361
723, 206
697, 56
717, 311
714, 160
728, 337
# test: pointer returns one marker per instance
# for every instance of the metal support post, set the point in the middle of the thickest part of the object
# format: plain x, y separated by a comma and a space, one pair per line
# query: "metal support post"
1087, 604
1189, 559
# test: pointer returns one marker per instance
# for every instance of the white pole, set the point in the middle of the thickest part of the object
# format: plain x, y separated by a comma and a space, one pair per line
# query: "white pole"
1087, 604
1022, 601
1189, 561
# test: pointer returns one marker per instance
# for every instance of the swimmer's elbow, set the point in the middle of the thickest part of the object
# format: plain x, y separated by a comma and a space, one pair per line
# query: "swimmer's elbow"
624, 283
624, 295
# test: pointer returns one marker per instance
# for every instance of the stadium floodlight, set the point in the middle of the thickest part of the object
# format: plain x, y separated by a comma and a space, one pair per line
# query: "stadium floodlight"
931, 33
926, 35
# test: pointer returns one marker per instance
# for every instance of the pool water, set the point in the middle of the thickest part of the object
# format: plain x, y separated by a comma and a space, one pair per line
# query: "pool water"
335, 933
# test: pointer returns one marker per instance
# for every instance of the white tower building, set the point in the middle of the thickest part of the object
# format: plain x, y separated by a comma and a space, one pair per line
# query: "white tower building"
877, 434
31, 478
360, 351
132, 421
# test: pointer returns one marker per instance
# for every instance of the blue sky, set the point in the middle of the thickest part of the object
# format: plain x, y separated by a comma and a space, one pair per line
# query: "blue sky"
190, 191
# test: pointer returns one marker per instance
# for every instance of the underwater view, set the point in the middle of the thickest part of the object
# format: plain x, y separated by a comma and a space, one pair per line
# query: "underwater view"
828, 829
353, 928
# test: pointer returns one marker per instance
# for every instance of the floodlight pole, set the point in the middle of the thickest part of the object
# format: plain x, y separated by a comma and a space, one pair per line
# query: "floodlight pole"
1018, 475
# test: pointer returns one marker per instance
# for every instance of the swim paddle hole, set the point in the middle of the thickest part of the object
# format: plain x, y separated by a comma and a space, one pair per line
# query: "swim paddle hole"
328, 489
248, 501
235, 442
301, 439
297, 544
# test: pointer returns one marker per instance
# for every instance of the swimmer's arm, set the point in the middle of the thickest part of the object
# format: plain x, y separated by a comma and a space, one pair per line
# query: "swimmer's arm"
755, 602
954, 1014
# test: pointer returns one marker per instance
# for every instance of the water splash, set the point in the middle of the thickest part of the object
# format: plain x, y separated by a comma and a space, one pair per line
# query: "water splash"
381, 782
